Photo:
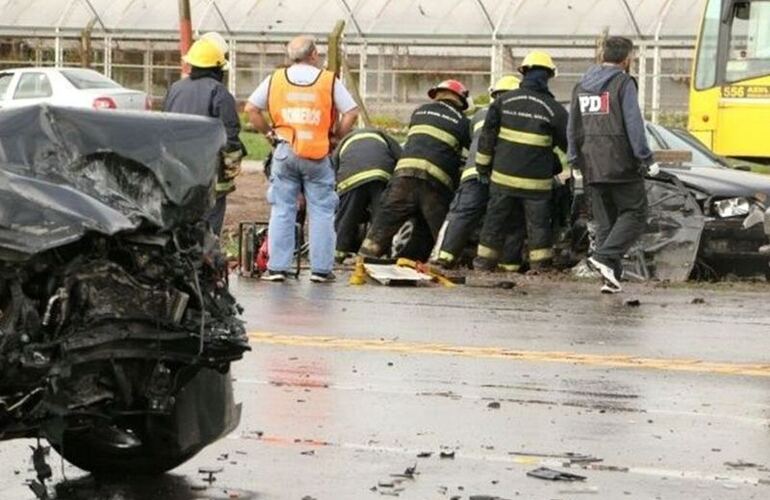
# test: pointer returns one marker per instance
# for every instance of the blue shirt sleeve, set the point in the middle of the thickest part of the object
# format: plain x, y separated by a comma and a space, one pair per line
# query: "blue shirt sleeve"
635, 129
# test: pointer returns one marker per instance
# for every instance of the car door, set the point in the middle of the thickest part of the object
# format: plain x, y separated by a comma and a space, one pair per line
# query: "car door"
31, 87
5, 84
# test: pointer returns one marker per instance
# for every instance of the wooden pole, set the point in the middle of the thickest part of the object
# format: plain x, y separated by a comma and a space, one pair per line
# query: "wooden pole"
185, 31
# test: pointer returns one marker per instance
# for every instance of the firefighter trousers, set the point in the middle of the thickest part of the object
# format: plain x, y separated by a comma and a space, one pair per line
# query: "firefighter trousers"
404, 198
465, 215
510, 214
357, 206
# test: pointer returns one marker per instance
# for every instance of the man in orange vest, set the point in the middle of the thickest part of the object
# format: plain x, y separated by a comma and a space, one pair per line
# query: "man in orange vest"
303, 102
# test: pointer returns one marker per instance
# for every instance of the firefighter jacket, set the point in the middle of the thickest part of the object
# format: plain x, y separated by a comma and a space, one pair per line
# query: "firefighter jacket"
203, 94
516, 145
303, 115
364, 155
438, 138
600, 131
469, 170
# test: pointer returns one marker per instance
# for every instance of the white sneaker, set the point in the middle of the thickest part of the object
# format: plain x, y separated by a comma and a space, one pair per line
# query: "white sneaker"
608, 274
609, 289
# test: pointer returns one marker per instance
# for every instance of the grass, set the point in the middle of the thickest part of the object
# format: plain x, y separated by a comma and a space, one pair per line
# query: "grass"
256, 145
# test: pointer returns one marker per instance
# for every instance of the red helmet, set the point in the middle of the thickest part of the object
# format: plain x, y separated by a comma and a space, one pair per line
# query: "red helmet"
452, 86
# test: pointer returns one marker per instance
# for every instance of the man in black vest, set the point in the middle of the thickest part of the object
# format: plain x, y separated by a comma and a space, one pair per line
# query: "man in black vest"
608, 144
428, 172
520, 132
364, 161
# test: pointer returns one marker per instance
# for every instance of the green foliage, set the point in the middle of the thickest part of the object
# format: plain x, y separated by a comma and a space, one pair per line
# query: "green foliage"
256, 145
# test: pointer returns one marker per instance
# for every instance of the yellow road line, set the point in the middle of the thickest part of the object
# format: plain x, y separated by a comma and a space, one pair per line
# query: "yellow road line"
599, 360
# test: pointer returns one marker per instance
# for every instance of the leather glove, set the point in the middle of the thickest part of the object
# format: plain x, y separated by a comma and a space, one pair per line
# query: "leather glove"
653, 170
232, 163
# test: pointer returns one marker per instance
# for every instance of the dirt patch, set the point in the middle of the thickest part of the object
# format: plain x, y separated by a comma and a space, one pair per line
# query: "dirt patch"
248, 202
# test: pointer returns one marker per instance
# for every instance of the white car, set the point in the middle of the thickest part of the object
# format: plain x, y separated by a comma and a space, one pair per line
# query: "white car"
74, 87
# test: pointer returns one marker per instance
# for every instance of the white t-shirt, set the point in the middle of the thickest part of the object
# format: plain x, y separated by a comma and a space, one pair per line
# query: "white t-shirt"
305, 74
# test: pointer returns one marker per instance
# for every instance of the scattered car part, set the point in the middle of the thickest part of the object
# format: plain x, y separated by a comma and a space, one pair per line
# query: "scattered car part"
554, 475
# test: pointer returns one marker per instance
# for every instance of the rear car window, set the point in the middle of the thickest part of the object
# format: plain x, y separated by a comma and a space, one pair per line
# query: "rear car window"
84, 79
5, 81
33, 86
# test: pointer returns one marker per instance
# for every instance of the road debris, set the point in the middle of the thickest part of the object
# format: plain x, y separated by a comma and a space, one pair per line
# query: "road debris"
449, 455
210, 473
425, 454
554, 475
698, 300
740, 464
632, 303
494, 405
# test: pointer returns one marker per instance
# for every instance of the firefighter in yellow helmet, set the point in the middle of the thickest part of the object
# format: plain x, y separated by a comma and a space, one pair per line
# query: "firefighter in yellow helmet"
203, 93
516, 154
470, 200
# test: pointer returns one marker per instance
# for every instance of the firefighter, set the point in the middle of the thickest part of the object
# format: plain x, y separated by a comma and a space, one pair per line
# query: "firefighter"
429, 169
470, 200
516, 155
204, 94
609, 146
364, 161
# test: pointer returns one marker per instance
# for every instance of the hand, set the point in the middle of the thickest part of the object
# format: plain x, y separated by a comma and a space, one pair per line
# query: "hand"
272, 138
653, 170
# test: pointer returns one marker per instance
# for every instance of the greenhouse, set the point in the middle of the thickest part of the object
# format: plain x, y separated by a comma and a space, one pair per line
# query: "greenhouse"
396, 48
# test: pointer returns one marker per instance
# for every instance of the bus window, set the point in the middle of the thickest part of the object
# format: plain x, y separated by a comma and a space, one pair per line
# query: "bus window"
706, 64
748, 53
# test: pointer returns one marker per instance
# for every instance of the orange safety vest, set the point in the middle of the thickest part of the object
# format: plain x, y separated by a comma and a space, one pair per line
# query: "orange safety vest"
303, 115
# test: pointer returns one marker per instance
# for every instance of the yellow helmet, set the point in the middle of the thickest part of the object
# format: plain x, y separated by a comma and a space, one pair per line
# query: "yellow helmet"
205, 53
538, 59
504, 84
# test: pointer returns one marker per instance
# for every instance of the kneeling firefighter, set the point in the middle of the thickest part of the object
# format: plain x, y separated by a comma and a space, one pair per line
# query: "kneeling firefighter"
364, 161
203, 93
470, 201
516, 146
429, 169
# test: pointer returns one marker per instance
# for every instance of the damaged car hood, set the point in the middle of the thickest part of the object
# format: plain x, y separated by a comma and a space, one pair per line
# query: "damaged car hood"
65, 172
723, 182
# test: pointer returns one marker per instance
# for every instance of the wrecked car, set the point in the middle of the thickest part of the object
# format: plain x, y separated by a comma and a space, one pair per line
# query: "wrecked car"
117, 329
706, 219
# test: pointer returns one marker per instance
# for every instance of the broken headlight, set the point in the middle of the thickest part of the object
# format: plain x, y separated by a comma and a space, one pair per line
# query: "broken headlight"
732, 207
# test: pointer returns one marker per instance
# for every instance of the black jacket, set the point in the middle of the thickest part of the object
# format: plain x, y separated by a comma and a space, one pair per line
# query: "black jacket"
363, 156
477, 122
606, 129
437, 142
203, 94
516, 145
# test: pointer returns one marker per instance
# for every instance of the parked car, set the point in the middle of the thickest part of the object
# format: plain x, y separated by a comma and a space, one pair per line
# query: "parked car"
697, 228
118, 329
73, 87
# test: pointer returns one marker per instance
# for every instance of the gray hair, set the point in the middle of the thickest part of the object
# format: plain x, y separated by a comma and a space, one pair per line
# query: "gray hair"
300, 48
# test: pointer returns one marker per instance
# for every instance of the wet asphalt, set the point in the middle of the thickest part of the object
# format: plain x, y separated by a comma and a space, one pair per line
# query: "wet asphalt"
356, 392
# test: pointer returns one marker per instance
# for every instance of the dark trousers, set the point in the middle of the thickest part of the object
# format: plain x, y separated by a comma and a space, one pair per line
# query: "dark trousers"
357, 206
216, 216
510, 214
404, 198
465, 215
620, 214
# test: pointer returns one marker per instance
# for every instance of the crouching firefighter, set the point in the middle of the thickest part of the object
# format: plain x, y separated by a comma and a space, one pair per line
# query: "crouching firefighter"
470, 201
364, 161
425, 177
204, 94
519, 134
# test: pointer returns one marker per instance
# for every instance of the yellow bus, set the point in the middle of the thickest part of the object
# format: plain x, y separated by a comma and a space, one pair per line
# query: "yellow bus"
730, 86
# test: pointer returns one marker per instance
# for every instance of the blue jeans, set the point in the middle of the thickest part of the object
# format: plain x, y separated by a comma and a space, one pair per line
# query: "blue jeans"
290, 176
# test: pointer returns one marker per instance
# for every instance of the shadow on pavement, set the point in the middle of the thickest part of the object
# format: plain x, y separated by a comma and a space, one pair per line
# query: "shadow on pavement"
166, 487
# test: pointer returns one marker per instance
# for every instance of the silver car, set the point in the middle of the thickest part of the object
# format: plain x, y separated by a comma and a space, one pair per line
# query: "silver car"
72, 87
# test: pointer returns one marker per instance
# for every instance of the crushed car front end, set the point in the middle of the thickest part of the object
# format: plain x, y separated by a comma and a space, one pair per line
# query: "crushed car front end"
117, 329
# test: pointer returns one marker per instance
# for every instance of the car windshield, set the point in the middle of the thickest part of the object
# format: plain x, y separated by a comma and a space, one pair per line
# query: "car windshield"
85, 79
662, 138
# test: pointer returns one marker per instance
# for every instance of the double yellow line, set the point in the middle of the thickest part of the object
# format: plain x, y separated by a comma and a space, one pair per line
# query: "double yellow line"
598, 360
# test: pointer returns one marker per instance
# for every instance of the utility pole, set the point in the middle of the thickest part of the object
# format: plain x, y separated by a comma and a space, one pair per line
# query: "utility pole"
185, 31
